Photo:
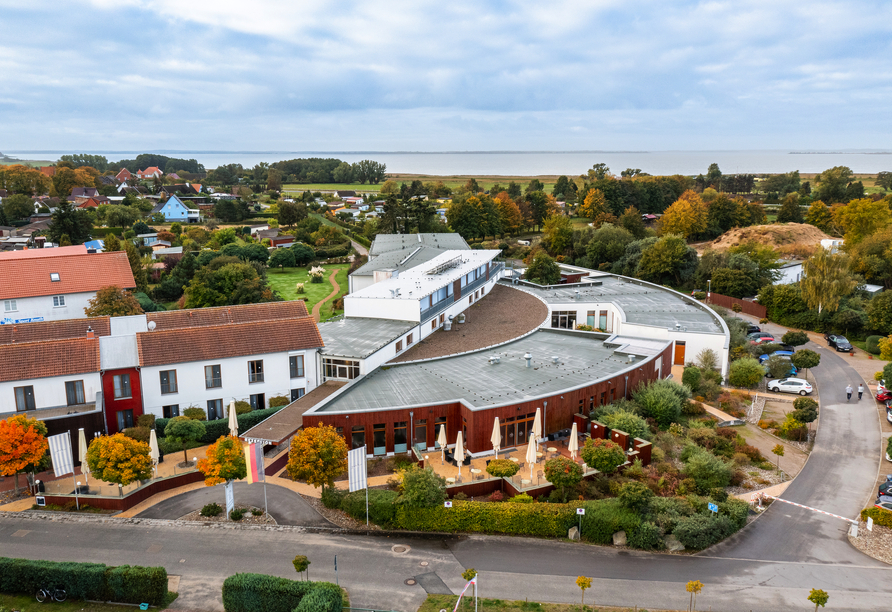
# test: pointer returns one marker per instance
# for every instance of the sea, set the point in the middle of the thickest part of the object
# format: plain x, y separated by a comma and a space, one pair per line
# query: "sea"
539, 163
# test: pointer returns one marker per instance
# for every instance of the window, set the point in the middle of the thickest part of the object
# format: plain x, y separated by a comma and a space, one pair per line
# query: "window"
255, 371
215, 409
74, 392
442, 318
602, 320
340, 368
434, 324
563, 319
297, 394
9, 306
439, 424
122, 386
421, 434
590, 318
58, 300
464, 280
357, 437
125, 419
24, 398
212, 377
171, 411
379, 438
297, 366
409, 340
399, 437
54, 277
399, 345
258, 401
168, 382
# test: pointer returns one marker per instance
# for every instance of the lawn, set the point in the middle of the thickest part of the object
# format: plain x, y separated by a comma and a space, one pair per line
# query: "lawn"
435, 603
27, 602
284, 281
453, 182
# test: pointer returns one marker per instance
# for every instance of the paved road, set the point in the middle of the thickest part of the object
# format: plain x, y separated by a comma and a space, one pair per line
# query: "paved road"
287, 507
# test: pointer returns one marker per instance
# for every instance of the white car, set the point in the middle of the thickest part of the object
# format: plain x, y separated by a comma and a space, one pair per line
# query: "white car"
790, 385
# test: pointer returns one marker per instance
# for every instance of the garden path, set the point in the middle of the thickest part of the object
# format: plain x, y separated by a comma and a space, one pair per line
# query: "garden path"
334, 293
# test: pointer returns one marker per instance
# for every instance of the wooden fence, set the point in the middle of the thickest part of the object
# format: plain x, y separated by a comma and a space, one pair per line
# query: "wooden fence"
750, 308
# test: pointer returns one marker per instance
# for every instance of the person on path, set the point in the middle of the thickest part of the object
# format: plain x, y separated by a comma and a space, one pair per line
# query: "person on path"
848, 392
860, 391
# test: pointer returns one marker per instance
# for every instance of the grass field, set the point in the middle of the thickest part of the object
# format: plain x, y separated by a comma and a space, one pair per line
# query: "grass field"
285, 281
435, 603
28, 602
453, 182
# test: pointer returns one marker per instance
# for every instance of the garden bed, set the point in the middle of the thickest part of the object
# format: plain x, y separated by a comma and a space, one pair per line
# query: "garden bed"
249, 517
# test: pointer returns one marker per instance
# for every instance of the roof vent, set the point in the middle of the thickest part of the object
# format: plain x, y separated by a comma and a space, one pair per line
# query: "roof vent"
529, 359
631, 358
555, 360
152, 325
90, 334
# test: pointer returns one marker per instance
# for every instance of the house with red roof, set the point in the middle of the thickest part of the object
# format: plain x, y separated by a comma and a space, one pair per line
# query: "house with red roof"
150, 173
124, 175
58, 283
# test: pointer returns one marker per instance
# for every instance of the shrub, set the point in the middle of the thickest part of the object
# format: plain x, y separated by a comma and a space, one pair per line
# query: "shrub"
662, 400
700, 531
502, 468
635, 496
872, 344
136, 584
710, 390
332, 497
146, 420
523, 498
707, 470
461, 496
746, 372
422, 488
278, 400
879, 516
195, 413
699, 295
605, 517
212, 509
382, 506
718, 494
736, 510
796, 338
137, 433
257, 512
646, 537
691, 378
220, 427
252, 592
496, 496
236, 514
630, 423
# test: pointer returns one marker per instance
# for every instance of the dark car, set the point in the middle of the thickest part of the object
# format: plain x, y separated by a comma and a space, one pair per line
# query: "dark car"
753, 329
885, 489
787, 347
839, 343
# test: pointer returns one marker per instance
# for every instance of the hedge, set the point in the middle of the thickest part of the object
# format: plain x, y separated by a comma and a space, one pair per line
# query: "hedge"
605, 517
97, 581
252, 592
382, 506
362, 240
549, 520
872, 344
879, 516
701, 530
220, 427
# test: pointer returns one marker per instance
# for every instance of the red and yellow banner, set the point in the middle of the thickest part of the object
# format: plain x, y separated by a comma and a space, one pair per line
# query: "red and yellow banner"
254, 459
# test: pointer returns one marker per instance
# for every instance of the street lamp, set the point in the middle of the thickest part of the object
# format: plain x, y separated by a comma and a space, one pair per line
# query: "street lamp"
708, 288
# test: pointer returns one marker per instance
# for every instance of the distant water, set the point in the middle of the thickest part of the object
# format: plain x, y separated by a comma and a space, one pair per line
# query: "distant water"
532, 163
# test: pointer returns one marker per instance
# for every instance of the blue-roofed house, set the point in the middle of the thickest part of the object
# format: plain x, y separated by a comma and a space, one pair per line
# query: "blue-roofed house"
174, 210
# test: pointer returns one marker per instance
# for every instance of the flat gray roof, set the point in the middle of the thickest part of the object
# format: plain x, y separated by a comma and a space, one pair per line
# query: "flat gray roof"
402, 259
358, 337
583, 358
643, 303
384, 243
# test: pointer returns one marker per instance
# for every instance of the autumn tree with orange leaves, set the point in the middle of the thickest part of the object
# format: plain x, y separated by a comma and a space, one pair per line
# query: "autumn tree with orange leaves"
318, 455
224, 460
119, 459
686, 216
22, 444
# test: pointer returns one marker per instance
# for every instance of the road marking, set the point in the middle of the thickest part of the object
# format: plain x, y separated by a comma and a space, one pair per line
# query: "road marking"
154, 548
21, 533
756, 498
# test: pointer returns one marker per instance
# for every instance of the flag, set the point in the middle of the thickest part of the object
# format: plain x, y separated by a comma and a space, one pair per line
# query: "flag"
356, 469
470, 582
254, 460
60, 452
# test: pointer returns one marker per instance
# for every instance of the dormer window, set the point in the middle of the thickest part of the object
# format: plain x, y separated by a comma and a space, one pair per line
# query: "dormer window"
54, 277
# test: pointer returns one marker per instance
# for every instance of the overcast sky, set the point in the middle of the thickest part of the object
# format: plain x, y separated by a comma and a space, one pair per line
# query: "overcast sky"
302, 75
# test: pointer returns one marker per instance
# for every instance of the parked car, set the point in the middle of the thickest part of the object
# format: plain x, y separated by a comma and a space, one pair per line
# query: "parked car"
787, 347
793, 371
839, 343
764, 358
790, 385
884, 396
758, 334
753, 329
888, 413
763, 340
885, 488
883, 502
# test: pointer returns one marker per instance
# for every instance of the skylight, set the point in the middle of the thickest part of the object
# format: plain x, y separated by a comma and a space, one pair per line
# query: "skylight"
54, 277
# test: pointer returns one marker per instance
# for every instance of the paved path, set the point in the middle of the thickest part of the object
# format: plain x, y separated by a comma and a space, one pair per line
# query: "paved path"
334, 293
286, 506
359, 248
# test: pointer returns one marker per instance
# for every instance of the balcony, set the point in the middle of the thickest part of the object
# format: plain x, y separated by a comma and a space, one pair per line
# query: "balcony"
213, 383
167, 388
255, 378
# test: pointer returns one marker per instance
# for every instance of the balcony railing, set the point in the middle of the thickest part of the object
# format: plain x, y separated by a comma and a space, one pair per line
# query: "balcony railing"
168, 388
213, 383
257, 377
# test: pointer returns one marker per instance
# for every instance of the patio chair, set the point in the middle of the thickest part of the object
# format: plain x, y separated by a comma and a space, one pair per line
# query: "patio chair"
539, 476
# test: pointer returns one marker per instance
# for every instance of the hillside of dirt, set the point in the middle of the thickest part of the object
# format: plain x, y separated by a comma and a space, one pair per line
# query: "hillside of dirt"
797, 239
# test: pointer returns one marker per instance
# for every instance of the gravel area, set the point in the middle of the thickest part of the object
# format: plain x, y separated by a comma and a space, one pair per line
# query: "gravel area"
338, 517
248, 519
754, 475
504, 314
876, 543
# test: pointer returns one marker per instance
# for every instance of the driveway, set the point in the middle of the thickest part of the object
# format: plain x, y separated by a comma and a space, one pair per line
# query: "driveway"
287, 507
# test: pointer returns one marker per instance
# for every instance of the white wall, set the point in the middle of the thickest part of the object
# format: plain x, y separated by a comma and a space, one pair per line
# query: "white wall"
234, 376
790, 274
400, 309
614, 316
42, 308
357, 282
49, 392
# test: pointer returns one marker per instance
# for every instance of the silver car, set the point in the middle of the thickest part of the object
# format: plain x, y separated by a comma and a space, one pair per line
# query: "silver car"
790, 385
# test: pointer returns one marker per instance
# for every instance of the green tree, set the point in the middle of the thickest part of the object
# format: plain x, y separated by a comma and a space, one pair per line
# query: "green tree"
535, 185
185, 431
826, 279
635, 496
422, 488
819, 598
832, 184
282, 258
112, 301
111, 244
18, 206
779, 451
288, 213
805, 360
74, 222
628, 422
668, 259
862, 217
819, 215
563, 473
317, 455
558, 234
789, 211
539, 206
795, 338
746, 373
632, 222
662, 400
598, 172
805, 409
778, 367
301, 565
303, 254
136, 267
608, 244
879, 313
604, 455
543, 270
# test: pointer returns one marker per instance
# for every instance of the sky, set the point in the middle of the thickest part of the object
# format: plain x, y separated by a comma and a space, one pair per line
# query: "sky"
329, 75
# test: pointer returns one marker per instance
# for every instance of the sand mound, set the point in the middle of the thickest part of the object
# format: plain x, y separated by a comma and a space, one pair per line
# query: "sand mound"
789, 238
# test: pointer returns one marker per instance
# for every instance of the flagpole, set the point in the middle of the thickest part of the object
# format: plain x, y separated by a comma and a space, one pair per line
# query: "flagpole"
366, 505
265, 505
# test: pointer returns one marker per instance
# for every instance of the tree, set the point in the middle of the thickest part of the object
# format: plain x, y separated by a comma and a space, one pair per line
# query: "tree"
111, 244
119, 459
832, 184
746, 373
303, 254
826, 279
593, 205
795, 338
228, 280
511, 218
635, 496
74, 222
631, 221
317, 455
628, 422
687, 216
224, 460
668, 259
22, 444
18, 206
422, 488
598, 172
603, 455
112, 301
543, 270
789, 211
282, 258
662, 401
563, 473
583, 583
121, 216
185, 431
301, 565
274, 179
818, 597
558, 232
288, 213
694, 586
819, 215
136, 267
779, 451
805, 360
861, 218
805, 409
539, 206
778, 367
879, 312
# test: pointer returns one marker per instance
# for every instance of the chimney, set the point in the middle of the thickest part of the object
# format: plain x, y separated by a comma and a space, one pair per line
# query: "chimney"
90, 334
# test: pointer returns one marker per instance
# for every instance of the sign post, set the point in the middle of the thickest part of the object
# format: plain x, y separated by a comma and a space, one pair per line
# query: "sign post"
230, 498
713, 507
337, 582
581, 513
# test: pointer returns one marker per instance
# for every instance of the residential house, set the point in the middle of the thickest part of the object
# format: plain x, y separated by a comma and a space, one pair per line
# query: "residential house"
48, 170
162, 252
181, 188
58, 283
174, 176
124, 175
259, 228
3, 193
280, 242
84, 192
108, 181
175, 210
146, 239
345, 194
150, 173
91, 202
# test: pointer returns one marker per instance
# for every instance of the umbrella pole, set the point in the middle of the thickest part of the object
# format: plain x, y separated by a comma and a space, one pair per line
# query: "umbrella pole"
265, 505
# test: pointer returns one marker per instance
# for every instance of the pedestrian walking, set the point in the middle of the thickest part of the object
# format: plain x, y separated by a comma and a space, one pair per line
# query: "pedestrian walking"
860, 391
848, 392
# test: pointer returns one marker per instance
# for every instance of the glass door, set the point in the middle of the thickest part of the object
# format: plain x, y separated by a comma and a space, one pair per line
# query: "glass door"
421, 434
379, 438
358, 436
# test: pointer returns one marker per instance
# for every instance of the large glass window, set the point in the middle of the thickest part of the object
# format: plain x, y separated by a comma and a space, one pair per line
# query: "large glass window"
590, 318
602, 320
122, 386
215, 409
212, 377
255, 371
421, 434
168, 381
24, 398
296, 394
379, 438
125, 419
440, 423
297, 366
340, 368
563, 319
357, 436
400, 442
74, 392
171, 411
258, 401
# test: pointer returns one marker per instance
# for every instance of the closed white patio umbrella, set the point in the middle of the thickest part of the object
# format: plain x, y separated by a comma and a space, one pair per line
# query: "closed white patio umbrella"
154, 452
233, 420
441, 440
459, 452
537, 427
82, 454
496, 437
531, 456
574, 442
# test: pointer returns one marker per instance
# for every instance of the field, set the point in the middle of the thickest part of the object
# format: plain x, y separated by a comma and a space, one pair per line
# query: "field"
284, 282
6, 161
27, 602
453, 182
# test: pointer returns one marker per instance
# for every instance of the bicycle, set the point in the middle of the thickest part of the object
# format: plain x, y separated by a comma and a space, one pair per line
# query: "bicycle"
52, 594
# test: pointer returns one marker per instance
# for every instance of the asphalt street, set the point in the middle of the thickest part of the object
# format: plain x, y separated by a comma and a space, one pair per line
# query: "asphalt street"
770, 565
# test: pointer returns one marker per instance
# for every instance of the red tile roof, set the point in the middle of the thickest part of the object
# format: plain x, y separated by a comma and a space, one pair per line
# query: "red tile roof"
48, 358
77, 249
18, 333
222, 341
78, 273
224, 315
